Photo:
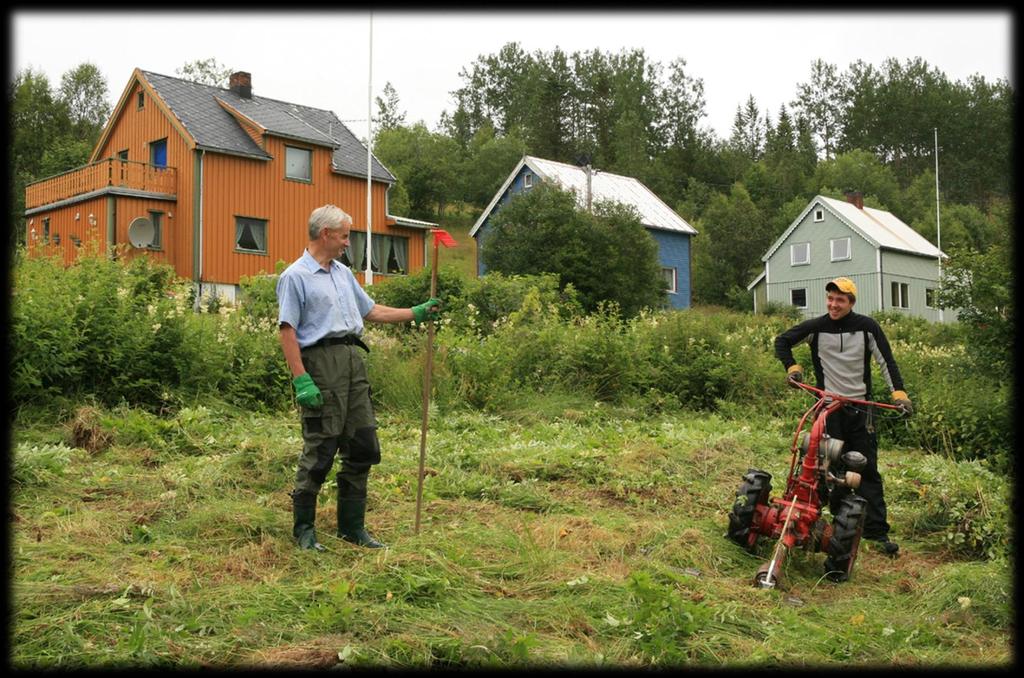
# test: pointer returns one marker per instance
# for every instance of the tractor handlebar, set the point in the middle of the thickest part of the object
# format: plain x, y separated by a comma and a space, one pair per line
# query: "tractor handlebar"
822, 394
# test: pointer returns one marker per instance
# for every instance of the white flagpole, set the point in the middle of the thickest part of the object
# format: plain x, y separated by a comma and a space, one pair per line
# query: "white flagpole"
938, 227
369, 162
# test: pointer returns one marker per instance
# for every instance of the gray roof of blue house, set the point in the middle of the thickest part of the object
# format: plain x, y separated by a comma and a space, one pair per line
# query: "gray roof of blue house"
214, 128
654, 213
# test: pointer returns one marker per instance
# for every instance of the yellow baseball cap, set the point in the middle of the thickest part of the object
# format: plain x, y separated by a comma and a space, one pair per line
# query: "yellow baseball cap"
844, 285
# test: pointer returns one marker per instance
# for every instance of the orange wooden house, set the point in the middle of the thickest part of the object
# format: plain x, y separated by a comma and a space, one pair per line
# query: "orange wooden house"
219, 183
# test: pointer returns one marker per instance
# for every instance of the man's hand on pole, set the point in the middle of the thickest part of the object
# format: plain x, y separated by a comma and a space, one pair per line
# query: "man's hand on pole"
428, 310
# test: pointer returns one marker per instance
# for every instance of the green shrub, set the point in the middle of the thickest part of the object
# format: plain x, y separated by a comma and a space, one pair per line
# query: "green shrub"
958, 411
964, 502
663, 620
259, 296
124, 330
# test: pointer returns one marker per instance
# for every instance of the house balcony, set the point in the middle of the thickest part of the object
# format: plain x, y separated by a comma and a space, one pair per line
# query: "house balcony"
110, 175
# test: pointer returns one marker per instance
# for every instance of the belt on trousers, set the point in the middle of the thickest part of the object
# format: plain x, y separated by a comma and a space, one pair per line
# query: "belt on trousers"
349, 339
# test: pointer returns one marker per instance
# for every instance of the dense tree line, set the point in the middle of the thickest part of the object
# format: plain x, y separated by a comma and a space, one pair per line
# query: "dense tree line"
865, 128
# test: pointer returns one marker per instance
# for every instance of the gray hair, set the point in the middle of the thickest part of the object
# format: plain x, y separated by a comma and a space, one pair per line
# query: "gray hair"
328, 216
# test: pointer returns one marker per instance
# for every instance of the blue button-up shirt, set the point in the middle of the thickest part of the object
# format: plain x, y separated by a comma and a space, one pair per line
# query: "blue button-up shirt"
321, 303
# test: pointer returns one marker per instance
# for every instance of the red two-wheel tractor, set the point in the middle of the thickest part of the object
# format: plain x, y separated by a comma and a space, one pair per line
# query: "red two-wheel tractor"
795, 519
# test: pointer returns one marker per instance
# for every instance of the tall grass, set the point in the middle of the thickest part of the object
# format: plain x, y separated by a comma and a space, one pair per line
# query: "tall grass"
564, 540
123, 331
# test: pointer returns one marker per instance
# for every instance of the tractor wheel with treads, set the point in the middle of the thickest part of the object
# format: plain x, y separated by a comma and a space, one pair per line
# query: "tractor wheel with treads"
752, 492
845, 541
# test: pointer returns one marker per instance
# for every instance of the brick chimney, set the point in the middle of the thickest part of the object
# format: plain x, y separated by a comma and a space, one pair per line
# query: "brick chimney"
855, 198
241, 84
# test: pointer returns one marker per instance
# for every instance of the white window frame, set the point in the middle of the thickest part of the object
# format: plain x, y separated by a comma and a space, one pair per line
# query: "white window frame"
527, 180
819, 215
672, 275
290, 161
792, 254
798, 289
899, 294
933, 293
849, 248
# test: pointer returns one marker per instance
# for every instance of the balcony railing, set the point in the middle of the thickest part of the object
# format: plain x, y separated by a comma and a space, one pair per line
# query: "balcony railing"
109, 172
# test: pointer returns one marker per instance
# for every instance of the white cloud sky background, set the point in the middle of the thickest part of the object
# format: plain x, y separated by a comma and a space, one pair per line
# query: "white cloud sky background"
320, 59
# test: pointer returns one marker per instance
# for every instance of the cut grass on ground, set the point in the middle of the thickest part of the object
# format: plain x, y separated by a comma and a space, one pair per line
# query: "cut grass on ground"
576, 538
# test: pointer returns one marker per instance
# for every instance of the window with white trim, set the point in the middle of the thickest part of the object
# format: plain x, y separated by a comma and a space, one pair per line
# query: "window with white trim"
798, 297
819, 215
900, 295
298, 163
930, 297
800, 254
391, 251
671, 278
840, 248
527, 180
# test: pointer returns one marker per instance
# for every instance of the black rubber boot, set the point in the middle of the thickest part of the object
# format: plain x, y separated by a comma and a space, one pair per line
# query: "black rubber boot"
304, 514
351, 527
889, 548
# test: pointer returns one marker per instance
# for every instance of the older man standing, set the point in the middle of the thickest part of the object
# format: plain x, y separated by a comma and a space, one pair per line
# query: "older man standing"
321, 309
842, 345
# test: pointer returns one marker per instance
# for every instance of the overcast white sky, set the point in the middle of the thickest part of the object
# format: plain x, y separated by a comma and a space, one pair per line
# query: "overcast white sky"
320, 59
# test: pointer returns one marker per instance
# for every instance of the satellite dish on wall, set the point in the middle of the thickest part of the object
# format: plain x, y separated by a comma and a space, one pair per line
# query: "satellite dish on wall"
141, 232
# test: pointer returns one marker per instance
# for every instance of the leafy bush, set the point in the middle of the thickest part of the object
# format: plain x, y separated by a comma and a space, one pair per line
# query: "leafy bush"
663, 620
949, 498
476, 304
259, 296
522, 236
958, 411
408, 291
123, 330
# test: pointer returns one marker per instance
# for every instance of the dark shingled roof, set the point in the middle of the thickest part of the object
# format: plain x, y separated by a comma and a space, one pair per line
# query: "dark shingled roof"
215, 129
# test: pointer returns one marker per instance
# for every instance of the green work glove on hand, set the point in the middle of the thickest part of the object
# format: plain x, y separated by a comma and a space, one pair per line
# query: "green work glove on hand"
794, 374
306, 391
903, 402
428, 310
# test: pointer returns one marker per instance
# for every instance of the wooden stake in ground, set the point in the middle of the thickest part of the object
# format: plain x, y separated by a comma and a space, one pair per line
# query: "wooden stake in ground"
443, 237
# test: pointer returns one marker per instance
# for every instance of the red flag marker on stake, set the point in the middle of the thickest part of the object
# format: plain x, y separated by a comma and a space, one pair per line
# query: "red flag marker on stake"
443, 237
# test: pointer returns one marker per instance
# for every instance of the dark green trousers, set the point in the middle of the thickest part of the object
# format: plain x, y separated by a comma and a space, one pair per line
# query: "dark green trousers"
345, 425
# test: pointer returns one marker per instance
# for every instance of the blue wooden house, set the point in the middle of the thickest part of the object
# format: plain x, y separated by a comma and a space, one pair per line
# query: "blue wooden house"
669, 230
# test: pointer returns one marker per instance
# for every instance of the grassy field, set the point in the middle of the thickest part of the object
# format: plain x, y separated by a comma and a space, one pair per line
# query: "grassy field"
570, 534
463, 256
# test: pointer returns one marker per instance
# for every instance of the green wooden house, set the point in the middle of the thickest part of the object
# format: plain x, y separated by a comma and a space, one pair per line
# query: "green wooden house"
894, 267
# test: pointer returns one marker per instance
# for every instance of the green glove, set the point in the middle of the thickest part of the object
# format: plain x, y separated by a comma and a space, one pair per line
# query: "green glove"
428, 310
306, 391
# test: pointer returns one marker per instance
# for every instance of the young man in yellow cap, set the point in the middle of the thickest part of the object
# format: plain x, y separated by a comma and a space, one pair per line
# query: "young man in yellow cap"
842, 346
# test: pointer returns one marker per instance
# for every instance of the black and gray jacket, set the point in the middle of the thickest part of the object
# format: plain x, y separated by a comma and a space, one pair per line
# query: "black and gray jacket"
841, 351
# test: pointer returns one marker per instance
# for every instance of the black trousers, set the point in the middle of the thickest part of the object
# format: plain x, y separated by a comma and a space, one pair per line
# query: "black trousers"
855, 427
